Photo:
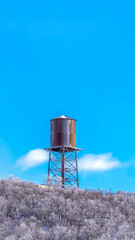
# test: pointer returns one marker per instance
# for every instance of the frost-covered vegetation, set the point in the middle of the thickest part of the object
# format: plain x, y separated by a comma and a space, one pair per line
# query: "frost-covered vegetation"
29, 212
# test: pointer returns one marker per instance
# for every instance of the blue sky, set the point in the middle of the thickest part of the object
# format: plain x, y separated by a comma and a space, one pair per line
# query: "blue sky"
75, 58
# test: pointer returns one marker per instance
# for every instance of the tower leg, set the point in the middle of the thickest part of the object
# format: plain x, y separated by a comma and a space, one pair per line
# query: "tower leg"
77, 169
63, 168
49, 163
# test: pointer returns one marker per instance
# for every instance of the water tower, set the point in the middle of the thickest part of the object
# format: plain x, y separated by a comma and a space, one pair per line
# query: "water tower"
63, 151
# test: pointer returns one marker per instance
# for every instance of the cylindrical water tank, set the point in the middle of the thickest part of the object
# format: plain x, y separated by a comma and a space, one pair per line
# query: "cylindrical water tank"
63, 132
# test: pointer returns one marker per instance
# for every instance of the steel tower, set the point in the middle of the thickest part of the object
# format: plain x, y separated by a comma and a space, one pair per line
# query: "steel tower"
63, 151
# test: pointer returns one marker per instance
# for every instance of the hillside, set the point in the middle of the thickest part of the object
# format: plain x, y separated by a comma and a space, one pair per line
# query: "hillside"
28, 212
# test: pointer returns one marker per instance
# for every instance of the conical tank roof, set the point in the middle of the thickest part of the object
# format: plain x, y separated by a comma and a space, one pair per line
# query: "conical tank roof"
63, 117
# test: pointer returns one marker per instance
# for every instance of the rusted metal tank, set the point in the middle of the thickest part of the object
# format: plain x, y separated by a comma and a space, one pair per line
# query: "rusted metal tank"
63, 132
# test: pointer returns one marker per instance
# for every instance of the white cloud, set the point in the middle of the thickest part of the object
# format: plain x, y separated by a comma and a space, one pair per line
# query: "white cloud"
100, 162
32, 159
